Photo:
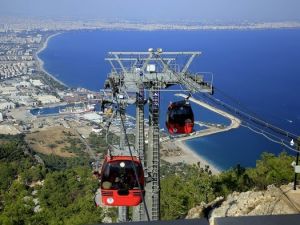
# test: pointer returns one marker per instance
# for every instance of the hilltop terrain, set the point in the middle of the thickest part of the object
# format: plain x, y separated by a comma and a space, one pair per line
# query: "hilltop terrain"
49, 189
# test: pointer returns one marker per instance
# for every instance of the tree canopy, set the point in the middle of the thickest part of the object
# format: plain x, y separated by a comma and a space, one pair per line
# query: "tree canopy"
61, 191
32, 193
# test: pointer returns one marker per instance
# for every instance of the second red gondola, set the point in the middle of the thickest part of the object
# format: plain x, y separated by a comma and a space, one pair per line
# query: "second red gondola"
180, 118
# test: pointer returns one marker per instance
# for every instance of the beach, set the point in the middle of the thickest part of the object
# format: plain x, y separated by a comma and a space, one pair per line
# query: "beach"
41, 62
185, 154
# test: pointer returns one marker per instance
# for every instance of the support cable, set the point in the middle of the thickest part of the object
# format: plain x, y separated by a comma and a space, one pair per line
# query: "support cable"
258, 121
236, 101
110, 146
267, 135
253, 118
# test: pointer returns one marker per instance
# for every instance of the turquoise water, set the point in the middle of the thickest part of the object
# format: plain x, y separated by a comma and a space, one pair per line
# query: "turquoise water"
259, 69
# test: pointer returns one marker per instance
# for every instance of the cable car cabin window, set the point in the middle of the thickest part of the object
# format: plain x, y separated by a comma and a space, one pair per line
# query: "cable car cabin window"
180, 115
116, 177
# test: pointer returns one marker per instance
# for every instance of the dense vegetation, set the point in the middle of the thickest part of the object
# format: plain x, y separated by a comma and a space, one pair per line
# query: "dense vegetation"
187, 186
61, 190
98, 142
33, 193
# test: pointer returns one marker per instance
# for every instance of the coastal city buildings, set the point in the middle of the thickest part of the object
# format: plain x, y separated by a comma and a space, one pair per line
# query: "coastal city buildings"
8, 24
26, 86
17, 53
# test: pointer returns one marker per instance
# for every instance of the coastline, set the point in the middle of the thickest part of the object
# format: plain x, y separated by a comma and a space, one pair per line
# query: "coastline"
189, 156
41, 62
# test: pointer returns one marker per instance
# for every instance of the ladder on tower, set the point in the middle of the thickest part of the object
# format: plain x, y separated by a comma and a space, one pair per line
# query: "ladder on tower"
139, 211
156, 154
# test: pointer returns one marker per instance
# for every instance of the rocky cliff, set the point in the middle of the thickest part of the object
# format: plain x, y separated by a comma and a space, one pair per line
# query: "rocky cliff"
273, 201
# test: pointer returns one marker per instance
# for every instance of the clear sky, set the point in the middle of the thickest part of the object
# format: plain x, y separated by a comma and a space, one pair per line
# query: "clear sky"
208, 11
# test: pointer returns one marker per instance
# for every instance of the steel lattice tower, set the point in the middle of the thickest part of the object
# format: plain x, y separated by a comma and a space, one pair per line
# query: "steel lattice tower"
133, 73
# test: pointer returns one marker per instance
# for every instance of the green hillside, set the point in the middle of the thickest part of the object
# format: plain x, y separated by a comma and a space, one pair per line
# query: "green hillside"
32, 193
61, 191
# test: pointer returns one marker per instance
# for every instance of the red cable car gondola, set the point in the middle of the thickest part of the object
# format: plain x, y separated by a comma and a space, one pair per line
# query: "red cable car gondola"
180, 118
119, 186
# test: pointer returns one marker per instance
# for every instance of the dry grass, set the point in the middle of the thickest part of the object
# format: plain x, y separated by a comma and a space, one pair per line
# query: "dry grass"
51, 141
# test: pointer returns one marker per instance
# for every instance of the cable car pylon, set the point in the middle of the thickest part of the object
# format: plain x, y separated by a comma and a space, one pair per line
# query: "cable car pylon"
131, 74
139, 211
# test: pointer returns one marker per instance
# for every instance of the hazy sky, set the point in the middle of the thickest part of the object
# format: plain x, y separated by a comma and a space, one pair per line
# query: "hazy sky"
159, 10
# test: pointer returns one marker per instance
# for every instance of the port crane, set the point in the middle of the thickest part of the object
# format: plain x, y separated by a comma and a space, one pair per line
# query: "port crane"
137, 78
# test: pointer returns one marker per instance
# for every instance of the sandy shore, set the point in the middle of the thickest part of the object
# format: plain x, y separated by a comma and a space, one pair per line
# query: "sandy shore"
188, 156
41, 62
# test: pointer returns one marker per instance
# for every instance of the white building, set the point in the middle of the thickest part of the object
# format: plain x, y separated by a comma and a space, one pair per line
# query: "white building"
36, 82
92, 116
24, 84
24, 100
6, 105
47, 99
7, 90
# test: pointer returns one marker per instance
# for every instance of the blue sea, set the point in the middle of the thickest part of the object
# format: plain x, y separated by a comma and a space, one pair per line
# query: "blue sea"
258, 70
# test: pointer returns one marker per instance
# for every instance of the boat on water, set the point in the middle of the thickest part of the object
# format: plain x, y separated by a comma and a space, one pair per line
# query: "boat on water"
78, 109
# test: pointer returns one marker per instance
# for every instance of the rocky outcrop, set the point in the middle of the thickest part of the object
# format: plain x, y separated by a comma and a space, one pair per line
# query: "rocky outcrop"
107, 219
196, 212
273, 201
203, 209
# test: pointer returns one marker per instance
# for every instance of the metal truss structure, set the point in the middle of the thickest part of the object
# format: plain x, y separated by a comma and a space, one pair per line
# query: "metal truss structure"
132, 74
